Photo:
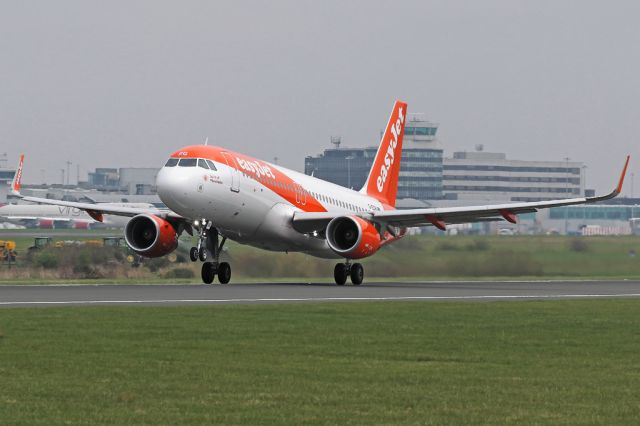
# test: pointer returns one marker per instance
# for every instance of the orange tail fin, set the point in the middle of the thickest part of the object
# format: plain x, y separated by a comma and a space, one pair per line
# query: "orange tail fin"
382, 182
15, 184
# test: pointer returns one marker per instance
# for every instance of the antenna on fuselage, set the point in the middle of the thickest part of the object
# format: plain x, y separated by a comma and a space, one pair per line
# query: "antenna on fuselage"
206, 140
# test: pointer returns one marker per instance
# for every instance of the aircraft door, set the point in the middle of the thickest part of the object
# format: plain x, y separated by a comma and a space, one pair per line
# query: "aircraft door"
235, 174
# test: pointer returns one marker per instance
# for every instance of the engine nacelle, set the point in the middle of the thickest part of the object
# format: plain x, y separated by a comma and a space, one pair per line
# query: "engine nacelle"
81, 224
150, 236
352, 237
46, 224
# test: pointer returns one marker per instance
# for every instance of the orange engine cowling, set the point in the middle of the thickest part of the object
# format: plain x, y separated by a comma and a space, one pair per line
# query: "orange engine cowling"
352, 237
150, 236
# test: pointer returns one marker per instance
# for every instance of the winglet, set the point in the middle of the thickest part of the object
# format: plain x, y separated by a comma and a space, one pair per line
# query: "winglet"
624, 172
616, 191
17, 177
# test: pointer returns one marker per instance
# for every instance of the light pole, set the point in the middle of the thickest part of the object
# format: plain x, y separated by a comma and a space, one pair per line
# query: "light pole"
68, 172
566, 192
584, 191
349, 158
633, 177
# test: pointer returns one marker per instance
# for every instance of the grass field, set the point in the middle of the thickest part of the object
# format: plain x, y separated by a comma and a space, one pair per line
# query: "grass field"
535, 362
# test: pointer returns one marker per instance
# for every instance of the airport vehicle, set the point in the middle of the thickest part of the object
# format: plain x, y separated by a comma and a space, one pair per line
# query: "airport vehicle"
216, 193
7, 245
8, 251
40, 242
114, 242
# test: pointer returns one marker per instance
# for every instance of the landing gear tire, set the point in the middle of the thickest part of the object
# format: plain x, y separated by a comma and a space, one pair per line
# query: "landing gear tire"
193, 254
357, 274
224, 273
208, 272
202, 254
340, 273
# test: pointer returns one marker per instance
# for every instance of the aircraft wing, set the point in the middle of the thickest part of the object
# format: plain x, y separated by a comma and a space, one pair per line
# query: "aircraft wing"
440, 217
96, 211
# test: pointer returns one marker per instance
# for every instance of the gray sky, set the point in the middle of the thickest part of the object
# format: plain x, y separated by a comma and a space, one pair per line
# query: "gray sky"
125, 83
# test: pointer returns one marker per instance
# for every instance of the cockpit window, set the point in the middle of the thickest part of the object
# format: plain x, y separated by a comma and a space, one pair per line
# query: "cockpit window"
211, 165
203, 164
171, 162
187, 162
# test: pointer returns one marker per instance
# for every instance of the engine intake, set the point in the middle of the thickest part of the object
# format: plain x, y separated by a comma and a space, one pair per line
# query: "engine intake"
150, 236
352, 237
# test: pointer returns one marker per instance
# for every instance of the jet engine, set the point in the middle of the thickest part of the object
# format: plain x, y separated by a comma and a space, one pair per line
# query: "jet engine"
352, 237
46, 223
150, 236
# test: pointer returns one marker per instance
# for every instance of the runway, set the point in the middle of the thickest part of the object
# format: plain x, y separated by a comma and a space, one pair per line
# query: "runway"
151, 294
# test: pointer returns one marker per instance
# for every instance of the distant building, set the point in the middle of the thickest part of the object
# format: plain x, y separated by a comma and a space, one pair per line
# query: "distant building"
487, 177
6, 177
137, 180
583, 219
129, 180
103, 178
420, 170
126, 185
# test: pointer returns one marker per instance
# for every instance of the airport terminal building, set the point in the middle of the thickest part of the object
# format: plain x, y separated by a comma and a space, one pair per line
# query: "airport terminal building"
487, 178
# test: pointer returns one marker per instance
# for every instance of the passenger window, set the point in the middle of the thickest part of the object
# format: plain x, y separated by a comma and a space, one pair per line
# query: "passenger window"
211, 165
187, 162
203, 164
171, 162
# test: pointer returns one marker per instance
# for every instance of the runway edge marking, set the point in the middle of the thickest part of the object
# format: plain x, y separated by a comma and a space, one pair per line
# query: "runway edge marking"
319, 299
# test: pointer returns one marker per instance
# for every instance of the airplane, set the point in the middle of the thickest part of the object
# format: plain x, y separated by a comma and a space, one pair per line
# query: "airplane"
220, 194
49, 217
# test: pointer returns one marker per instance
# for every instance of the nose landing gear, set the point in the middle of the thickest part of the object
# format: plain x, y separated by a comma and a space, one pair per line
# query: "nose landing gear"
344, 270
200, 251
208, 243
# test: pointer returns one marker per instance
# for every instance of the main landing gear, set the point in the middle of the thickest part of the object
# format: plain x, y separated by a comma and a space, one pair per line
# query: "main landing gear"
354, 271
208, 243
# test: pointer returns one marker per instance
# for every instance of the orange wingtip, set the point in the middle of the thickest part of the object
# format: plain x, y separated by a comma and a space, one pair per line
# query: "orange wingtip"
624, 172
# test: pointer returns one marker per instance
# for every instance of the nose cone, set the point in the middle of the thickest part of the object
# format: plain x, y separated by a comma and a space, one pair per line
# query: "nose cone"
173, 188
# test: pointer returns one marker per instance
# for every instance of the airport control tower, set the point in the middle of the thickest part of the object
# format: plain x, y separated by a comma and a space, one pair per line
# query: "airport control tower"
421, 168
420, 171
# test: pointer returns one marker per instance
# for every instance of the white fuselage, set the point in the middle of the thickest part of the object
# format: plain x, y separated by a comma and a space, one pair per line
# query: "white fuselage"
255, 212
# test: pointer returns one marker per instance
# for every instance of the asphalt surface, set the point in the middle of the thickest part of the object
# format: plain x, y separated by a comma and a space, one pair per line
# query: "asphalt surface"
83, 295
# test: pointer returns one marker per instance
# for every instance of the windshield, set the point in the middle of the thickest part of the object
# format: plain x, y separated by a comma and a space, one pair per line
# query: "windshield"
187, 162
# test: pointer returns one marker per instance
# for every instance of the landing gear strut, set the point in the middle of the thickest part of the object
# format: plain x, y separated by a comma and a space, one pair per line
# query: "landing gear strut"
344, 270
210, 269
200, 251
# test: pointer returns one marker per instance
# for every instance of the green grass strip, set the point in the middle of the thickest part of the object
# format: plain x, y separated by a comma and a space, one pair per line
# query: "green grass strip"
534, 362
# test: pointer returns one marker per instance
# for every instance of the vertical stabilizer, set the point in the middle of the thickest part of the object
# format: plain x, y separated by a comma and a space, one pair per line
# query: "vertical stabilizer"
17, 177
382, 182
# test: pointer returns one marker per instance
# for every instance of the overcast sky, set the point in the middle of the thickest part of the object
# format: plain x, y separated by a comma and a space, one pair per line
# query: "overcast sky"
125, 83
